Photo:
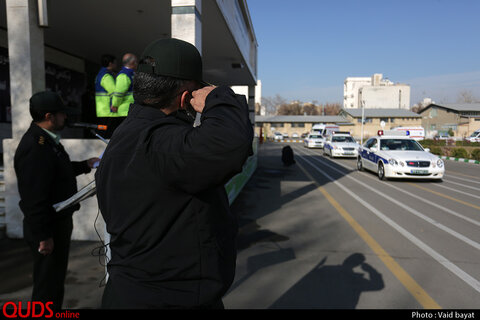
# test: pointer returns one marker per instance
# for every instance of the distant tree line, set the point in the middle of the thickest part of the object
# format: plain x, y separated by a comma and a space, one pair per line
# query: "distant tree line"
278, 105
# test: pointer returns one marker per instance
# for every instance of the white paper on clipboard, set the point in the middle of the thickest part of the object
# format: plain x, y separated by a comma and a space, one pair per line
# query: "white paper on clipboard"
87, 191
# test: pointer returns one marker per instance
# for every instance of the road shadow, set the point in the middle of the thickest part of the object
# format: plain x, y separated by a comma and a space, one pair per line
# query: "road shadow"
332, 286
264, 194
263, 260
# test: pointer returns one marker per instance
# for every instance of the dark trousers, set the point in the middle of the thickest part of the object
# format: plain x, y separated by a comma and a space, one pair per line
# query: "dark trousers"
49, 271
121, 294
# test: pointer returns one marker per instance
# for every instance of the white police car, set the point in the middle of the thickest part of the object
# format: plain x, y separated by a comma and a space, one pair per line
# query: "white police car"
340, 144
392, 155
314, 140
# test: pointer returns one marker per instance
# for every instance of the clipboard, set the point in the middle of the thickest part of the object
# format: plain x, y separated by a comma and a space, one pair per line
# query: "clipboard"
87, 191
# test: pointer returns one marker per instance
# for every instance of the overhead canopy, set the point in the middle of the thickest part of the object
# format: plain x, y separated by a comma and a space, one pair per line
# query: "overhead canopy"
90, 28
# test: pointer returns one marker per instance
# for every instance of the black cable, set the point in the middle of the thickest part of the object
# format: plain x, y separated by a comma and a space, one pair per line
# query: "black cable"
100, 252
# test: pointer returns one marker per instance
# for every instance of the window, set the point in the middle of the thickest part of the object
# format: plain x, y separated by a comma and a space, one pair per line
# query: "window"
277, 125
372, 142
298, 125
400, 145
342, 139
367, 120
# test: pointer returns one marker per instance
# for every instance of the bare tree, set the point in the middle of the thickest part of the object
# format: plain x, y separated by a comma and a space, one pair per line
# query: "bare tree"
311, 109
466, 96
279, 106
272, 103
331, 109
290, 109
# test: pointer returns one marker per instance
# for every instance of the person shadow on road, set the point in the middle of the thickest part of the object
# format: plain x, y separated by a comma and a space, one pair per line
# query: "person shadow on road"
332, 287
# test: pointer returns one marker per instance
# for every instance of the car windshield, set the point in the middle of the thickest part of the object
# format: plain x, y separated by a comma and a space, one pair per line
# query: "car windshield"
315, 136
474, 134
342, 139
400, 144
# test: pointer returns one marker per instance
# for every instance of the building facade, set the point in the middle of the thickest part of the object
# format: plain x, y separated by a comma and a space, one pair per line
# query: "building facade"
373, 119
57, 45
462, 119
348, 120
294, 126
375, 93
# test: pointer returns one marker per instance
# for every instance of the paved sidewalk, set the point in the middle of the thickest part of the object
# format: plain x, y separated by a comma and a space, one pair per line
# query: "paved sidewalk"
82, 285
86, 274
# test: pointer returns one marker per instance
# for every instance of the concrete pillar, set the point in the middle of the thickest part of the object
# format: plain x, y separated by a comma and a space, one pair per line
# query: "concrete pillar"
187, 21
27, 60
187, 25
27, 76
251, 103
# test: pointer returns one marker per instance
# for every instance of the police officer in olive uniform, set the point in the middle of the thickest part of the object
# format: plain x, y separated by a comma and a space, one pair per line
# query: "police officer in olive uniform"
46, 176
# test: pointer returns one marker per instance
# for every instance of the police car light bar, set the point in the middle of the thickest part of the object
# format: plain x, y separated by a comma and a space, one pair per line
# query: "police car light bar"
393, 133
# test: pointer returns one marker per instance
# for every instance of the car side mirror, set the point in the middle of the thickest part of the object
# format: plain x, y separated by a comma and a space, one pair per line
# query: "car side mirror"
427, 149
373, 149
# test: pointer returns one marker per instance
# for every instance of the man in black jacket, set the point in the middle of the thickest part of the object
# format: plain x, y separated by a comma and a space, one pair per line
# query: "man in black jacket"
160, 186
46, 176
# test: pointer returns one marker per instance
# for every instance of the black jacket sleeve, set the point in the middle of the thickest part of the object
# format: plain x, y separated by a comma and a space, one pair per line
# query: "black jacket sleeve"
35, 193
80, 167
209, 155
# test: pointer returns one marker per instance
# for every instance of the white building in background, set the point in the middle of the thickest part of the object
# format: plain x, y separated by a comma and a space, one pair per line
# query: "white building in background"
351, 87
375, 93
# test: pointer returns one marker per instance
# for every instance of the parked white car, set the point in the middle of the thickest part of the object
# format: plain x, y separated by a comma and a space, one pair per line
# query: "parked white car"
474, 137
340, 145
314, 140
278, 136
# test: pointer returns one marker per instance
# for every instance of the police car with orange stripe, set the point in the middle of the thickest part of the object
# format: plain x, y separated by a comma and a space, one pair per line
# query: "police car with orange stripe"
394, 154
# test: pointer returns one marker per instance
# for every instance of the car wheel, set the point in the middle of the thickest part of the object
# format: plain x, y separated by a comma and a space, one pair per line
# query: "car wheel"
381, 171
359, 164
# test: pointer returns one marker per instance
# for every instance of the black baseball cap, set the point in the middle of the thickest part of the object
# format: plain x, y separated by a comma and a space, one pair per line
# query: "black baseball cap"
48, 101
172, 58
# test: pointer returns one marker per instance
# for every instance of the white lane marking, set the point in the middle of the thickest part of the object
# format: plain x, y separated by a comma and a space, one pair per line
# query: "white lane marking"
458, 191
452, 212
472, 282
420, 215
455, 177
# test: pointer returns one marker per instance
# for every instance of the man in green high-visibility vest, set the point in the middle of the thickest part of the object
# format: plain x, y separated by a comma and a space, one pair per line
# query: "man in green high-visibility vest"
123, 94
104, 89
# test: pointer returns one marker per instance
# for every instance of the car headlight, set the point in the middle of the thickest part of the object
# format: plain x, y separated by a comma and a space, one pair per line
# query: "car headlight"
393, 162
440, 163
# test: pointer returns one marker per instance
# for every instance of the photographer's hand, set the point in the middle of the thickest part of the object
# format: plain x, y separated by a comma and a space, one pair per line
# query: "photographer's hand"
199, 97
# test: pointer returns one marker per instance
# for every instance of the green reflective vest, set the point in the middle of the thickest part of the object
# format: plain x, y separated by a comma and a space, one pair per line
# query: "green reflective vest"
123, 94
104, 88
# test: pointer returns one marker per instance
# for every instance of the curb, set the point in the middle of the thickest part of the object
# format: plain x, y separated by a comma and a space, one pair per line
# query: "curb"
460, 160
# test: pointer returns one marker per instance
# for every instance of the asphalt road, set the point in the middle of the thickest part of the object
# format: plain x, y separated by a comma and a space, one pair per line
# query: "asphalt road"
320, 234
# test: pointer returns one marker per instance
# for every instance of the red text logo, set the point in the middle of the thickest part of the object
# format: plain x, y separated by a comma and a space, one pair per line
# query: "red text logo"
33, 309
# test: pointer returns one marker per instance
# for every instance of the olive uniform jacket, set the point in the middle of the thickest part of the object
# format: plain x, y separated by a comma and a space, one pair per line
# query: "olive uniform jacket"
160, 189
45, 176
